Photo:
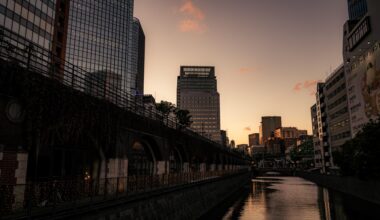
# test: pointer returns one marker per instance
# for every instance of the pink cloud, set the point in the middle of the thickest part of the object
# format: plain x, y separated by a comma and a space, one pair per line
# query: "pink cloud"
244, 70
308, 85
193, 18
191, 26
298, 87
193, 11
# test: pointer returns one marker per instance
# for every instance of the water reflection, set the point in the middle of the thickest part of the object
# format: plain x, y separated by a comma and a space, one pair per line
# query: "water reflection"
294, 198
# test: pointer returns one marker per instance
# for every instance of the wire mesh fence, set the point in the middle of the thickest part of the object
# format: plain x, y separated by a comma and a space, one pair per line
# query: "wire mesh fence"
21, 52
60, 194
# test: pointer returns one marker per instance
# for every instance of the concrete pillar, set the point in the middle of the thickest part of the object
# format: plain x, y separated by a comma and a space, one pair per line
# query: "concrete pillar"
220, 167
202, 167
20, 175
112, 175
186, 167
123, 174
212, 167
13, 167
161, 167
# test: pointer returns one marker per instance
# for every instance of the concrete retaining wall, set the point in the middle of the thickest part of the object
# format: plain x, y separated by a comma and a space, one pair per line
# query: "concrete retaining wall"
189, 201
366, 190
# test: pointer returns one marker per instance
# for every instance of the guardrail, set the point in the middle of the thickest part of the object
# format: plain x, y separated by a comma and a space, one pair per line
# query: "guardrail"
22, 200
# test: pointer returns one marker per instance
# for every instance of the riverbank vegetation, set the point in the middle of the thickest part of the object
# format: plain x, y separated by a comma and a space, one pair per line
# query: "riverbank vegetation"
360, 156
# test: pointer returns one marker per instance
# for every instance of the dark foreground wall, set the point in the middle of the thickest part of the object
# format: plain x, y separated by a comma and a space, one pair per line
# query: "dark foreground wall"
182, 202
366, 190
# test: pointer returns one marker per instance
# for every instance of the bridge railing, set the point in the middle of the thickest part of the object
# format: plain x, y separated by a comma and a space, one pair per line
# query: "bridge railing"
104, 85
65, 194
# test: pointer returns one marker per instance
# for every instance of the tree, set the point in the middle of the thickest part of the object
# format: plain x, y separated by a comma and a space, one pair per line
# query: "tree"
303, 151
184, 117
165, 107
361, 156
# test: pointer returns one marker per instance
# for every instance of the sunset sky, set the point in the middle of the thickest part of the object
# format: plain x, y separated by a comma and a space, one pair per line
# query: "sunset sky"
268, 54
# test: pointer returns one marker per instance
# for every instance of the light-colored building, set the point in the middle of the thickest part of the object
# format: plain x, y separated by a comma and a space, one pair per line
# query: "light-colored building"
322, 150
330, 118
362, 61
338, 120
197, 92
268, 125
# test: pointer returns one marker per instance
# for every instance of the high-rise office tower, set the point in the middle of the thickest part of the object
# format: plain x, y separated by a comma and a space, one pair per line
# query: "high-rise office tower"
268, 125
361, 53
197, 92
29, 25
356, 9
99, 38
30, 19
138, 58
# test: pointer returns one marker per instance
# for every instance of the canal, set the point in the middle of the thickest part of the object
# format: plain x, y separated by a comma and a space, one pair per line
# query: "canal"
292, 198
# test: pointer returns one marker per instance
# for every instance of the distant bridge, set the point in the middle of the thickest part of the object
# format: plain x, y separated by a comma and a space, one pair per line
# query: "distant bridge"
273, 172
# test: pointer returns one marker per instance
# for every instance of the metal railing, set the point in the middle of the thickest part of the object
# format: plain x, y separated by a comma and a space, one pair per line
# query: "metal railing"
24, 53
51, 195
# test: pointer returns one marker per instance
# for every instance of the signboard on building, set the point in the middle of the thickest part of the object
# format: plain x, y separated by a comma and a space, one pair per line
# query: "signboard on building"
363, 83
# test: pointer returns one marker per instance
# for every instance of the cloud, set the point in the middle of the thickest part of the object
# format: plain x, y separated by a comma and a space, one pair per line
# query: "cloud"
191, 26
192, 18
309, 85
244, 70
190, 9
247, 128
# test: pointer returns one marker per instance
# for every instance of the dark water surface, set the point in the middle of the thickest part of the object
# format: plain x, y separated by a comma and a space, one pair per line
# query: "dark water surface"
279, 198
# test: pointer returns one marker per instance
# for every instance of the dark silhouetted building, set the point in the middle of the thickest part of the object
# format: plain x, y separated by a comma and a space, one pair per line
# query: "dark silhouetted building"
268, 126
254, 139
197, 92
138, 57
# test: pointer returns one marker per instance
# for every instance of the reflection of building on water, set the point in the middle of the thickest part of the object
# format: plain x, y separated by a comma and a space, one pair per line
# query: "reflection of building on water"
326, 204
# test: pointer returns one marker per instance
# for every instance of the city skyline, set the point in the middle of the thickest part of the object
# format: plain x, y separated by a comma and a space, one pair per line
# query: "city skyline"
190, 33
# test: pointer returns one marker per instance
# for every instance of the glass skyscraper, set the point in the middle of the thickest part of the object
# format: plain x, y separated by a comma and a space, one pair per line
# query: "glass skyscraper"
28, 25
99, 36
30, 19
356, 9
197, 93
138, 59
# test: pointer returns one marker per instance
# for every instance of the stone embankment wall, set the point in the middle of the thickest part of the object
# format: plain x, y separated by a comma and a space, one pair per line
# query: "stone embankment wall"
366, 190
189, 201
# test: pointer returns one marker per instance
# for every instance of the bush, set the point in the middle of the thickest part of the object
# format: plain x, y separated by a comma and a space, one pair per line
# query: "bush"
361, 156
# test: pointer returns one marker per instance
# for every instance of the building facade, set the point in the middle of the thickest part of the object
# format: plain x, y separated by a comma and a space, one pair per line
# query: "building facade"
330, 119
99, 37
322, 150
31, 19
197, 92
254, 139
361, 55
28, 25
338, 119
138, 58
268, 125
